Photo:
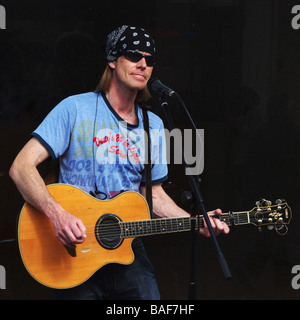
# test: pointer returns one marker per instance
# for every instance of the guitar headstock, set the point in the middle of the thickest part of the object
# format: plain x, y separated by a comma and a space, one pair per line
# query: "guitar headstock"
276, 216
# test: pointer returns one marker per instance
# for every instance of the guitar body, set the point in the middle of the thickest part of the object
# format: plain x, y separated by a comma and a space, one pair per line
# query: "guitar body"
111, 227
50, 263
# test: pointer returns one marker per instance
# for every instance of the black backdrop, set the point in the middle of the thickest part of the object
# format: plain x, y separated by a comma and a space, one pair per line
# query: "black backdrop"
234, 63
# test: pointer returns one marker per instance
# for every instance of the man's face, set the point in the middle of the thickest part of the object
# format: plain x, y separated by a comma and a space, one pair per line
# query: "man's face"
133, 75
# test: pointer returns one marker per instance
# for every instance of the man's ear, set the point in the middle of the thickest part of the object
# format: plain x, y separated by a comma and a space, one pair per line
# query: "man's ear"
112, 64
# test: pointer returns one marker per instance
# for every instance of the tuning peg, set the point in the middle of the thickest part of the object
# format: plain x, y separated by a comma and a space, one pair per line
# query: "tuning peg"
279, 201
260, 202
266, 202
259, 225
263, 202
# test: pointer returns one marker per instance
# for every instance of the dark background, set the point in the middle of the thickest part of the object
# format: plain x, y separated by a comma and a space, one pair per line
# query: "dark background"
235, 65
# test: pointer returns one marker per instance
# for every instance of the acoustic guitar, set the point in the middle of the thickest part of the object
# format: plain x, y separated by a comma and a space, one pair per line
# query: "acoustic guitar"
111, 227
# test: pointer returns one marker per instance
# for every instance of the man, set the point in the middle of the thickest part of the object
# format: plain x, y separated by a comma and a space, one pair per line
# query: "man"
86, 132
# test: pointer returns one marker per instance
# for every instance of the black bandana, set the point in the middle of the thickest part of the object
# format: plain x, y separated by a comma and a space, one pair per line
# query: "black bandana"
128, 38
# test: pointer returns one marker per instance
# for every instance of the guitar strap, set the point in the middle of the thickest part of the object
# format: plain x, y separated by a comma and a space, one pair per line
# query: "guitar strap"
147, 159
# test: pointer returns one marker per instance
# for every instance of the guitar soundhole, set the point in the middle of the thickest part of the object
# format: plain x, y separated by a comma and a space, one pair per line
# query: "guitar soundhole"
108, 231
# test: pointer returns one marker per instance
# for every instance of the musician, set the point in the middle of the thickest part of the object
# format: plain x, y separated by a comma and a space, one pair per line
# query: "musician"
85, 132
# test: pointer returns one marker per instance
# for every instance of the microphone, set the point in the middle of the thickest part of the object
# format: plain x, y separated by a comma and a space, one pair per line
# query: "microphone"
156, 86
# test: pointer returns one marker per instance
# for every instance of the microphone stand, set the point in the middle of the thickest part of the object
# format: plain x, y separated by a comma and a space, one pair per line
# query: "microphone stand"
194, 201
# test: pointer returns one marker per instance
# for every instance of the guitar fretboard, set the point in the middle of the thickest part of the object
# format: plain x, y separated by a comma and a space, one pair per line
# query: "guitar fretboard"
131, 229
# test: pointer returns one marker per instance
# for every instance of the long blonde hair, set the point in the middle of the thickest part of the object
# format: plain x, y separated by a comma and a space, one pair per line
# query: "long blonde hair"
105, 82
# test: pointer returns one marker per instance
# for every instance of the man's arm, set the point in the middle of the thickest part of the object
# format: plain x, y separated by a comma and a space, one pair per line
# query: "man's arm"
165, 207
68, 229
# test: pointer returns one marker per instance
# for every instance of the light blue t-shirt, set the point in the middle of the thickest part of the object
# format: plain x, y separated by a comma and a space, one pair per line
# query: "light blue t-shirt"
96, 147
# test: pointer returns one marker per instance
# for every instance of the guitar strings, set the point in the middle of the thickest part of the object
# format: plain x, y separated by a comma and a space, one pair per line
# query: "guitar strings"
131, 227
134, 228
138, 226
223, 217
239, 217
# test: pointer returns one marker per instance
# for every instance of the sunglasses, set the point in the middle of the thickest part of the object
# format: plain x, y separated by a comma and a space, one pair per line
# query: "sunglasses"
135, 56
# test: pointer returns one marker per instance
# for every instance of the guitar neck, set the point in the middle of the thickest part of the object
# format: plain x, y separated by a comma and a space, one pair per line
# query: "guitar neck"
170, 225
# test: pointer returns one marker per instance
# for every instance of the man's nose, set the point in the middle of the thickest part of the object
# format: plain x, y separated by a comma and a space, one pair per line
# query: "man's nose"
142, 63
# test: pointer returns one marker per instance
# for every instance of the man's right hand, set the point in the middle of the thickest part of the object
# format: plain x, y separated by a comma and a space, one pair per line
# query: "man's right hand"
68, 229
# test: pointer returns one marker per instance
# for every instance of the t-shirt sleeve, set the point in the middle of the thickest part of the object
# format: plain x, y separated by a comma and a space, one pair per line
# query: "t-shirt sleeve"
55, 130
159, 167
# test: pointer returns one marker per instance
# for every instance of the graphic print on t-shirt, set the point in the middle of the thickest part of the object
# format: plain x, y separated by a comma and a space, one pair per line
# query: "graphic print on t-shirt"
116, 148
